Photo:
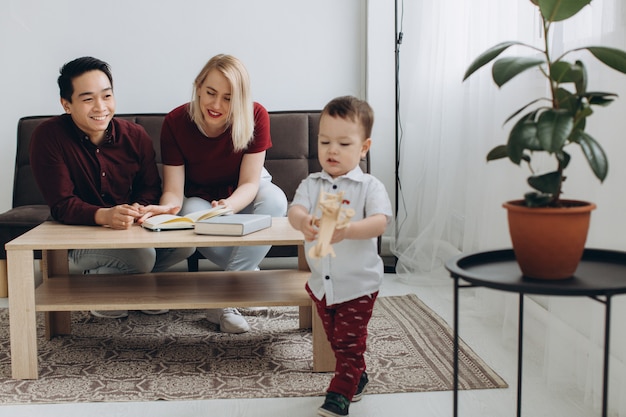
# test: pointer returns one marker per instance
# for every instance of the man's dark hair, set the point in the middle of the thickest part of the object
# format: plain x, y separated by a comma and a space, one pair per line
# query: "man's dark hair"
351, 108
76, 68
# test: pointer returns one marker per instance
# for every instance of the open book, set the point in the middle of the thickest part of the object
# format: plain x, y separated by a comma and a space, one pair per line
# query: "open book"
174, 222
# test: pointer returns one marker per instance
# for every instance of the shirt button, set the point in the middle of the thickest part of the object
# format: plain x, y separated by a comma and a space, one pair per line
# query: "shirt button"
334, 186
104, 174
327, 277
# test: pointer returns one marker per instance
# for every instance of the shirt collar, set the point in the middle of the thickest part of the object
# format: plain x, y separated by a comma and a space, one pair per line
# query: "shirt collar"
109, 133
355, 175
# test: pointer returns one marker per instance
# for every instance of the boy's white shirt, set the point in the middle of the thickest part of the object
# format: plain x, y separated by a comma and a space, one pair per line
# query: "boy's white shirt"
357, 270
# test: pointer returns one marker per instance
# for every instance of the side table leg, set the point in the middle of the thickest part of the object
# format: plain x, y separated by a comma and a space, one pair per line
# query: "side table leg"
520, 353
607, 348
455, 359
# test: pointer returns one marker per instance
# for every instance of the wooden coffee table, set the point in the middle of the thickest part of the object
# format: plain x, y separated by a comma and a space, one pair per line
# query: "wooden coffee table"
60, 293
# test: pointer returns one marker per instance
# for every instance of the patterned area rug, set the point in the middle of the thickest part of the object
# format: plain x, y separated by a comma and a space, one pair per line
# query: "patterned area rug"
181, 356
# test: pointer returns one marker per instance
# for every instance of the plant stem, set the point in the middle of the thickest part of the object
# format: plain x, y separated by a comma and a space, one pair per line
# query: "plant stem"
553, 86
546, 52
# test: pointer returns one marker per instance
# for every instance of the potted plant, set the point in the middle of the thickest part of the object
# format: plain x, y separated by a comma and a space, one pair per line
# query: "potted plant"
550, 125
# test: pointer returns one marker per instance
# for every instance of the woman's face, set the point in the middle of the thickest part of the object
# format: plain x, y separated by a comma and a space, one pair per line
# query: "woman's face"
214, 96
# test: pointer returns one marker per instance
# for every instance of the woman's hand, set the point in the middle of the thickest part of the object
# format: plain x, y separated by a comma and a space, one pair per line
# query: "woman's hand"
154, 209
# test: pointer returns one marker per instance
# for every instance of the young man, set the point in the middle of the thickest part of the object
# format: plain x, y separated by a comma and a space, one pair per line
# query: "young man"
343, 290
94, 169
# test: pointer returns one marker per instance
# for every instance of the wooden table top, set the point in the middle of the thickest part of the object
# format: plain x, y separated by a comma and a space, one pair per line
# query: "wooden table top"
53, 236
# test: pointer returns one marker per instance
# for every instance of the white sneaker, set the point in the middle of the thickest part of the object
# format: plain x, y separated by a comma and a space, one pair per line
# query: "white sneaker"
255, 311
229, 319
154, 312
110, 314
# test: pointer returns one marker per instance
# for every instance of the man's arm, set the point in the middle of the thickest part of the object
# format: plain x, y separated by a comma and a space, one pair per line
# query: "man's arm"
49, 147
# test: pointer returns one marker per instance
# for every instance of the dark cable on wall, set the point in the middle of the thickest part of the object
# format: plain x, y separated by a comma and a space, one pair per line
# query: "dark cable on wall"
398, 129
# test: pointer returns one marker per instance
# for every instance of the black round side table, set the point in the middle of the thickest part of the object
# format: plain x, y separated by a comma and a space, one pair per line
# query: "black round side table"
600, 275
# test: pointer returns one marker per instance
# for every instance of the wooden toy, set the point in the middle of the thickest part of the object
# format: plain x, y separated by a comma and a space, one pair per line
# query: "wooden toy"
334, 216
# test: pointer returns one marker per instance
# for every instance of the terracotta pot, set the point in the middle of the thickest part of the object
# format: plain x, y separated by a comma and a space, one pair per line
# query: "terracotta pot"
549, 242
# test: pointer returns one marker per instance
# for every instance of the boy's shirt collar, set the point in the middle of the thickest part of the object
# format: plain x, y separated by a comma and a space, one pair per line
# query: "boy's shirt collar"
355, 175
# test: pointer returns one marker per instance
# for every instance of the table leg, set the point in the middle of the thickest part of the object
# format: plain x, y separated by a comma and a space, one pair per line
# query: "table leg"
323, 355
455, 359
607, 345
520, 353
22, 316
53, 263
4, 286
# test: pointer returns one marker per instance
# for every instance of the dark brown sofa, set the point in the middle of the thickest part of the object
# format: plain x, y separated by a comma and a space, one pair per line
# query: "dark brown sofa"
292, 157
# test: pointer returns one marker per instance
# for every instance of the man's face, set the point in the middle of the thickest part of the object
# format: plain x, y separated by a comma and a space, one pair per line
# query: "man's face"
93, 104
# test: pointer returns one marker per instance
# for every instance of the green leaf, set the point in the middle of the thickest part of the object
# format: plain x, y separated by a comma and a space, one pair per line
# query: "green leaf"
553, 128
488, 56
549, 183
498, 152
563, 158
523, 136
506, 68
566, 100
535, 199
565, 72
581, 85
595, 155
557, 10
614, 58
600, 99
530, 115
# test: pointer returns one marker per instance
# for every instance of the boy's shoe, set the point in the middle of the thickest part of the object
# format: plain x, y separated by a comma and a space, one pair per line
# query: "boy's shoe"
335, 405
229, 320
360, 390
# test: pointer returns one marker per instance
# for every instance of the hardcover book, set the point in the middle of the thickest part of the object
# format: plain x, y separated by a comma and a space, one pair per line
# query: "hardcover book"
175, 222
234, 224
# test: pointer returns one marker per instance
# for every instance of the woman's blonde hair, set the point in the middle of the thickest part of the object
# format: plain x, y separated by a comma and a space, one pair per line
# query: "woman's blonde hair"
241, 117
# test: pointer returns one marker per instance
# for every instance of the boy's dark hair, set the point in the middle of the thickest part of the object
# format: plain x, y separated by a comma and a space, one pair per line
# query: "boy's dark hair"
76, 68
351, 108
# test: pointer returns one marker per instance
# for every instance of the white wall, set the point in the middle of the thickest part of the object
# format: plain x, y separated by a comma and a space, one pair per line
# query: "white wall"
381, 89
299, 55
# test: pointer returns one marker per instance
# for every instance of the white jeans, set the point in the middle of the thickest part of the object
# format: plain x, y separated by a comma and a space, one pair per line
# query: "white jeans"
271, 200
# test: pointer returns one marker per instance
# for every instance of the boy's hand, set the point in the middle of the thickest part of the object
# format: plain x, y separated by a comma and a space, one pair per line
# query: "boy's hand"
340, 233
308, 228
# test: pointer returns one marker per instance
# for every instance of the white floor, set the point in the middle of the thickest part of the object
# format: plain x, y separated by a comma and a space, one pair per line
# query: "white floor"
477, 330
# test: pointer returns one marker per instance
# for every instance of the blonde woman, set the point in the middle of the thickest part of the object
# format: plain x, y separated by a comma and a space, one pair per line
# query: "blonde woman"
213, 151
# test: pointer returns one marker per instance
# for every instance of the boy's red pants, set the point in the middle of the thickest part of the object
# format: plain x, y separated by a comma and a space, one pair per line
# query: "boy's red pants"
345, 325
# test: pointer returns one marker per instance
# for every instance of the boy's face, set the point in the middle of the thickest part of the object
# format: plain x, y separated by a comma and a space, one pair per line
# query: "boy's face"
341, 145
93, 103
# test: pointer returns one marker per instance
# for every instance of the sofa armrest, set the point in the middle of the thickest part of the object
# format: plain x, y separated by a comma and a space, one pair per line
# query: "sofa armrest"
18, 221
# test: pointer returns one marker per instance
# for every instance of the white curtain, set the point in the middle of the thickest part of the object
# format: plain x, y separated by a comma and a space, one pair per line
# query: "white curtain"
450, 197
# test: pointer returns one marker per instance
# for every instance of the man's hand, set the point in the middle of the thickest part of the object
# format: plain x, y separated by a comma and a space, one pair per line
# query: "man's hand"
118, 217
